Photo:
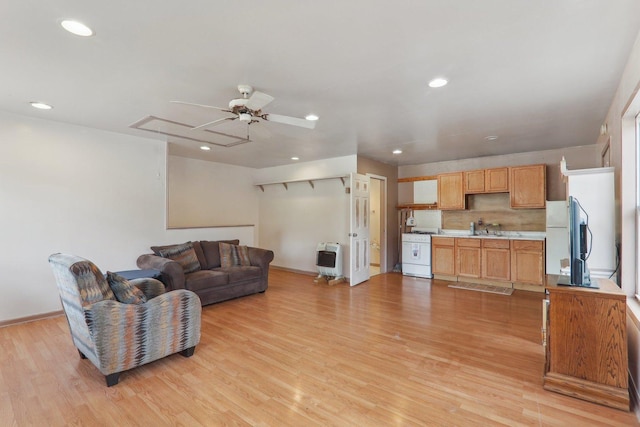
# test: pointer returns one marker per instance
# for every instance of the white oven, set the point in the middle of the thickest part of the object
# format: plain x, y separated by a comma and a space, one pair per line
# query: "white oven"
416, 255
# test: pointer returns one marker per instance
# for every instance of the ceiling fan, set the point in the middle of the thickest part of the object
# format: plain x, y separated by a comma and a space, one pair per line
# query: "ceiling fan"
248, 109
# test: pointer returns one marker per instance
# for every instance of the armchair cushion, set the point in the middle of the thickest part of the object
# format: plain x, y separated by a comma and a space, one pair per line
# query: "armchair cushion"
124, 291
151, 288
183, 254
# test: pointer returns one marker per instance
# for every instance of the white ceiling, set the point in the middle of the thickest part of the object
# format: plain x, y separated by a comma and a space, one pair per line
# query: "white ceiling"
538, 74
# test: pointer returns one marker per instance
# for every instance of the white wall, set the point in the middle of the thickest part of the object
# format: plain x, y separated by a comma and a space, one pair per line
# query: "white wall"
66, 188
621, 133
202, 193
292, 222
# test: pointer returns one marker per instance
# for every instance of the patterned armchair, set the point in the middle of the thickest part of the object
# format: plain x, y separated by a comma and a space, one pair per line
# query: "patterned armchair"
115, 336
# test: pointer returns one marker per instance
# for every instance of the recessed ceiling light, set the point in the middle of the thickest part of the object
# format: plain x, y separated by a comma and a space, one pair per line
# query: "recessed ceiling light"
205, 147
77, 28
41, 105
295, 158
439, 82
311, 117
397, 151
490, 138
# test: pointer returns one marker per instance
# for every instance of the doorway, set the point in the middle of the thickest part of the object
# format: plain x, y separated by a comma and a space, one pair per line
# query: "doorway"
378, 221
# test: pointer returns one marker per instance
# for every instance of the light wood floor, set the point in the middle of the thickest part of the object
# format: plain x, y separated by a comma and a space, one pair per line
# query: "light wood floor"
394, 351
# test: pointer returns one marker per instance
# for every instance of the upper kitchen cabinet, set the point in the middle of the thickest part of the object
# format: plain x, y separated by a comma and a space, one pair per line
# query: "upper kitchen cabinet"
451, 191
528, 186
480, 181
425, 191
474, 181
496, 180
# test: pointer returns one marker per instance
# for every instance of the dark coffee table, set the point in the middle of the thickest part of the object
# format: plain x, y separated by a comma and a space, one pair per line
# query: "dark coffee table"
139, 274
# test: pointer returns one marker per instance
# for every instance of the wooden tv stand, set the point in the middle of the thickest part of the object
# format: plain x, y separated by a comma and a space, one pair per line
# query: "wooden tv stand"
586, 343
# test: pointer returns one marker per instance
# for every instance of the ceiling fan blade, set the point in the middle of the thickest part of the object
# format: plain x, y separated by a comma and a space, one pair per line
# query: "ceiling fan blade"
213, 122
200, 105
290, 121
258, 100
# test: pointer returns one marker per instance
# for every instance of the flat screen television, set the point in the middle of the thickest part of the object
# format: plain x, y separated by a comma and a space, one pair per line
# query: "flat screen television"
579, 245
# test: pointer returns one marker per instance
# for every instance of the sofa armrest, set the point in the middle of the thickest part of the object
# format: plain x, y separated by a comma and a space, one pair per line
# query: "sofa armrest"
261, 258
171, 272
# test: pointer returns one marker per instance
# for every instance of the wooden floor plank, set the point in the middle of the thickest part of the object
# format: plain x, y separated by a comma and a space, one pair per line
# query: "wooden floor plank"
392, 351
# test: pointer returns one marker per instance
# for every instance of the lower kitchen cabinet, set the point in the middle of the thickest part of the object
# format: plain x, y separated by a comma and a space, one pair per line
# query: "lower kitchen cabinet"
443, 256
496, 259
527, 262
500, 260
468, 255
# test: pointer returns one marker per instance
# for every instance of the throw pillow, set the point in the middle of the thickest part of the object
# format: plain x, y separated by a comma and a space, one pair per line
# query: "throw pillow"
243, 255
183, 254
124, 291
226, 255
211, 251
233, 255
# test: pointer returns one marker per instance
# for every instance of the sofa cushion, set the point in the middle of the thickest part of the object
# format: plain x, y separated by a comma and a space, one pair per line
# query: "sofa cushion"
206, 279
211, 251
239, 273
183, 254
124, 291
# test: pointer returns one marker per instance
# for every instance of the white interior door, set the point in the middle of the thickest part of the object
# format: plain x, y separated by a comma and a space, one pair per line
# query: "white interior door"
359, 235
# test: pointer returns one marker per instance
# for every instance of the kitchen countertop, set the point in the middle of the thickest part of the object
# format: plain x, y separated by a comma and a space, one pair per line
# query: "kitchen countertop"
505, 235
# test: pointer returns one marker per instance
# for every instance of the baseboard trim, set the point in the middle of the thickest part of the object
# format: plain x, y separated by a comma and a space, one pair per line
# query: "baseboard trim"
293, 270
635, 398
485, 282
33, 318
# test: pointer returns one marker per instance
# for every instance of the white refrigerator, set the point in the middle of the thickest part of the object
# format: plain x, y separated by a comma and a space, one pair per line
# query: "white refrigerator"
557, 232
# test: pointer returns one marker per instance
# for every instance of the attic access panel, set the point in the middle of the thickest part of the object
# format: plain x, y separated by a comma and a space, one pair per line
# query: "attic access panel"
185, 131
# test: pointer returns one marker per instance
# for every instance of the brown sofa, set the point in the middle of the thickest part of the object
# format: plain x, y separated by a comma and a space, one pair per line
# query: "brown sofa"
210, 281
